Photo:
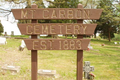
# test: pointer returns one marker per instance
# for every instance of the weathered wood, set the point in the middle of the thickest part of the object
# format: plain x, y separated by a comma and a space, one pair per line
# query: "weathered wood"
57, 44
80, 53
34, 54
57, 13
57, 28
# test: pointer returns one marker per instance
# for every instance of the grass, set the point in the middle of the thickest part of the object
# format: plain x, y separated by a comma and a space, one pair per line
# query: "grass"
105, 59
117, 37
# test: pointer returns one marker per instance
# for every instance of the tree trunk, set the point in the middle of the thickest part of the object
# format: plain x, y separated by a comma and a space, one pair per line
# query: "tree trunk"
94, 35
109, 36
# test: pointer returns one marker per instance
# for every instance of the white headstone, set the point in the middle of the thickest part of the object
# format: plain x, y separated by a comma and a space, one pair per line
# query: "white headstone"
12, 69
89, 46
115, 42
22, 46
3, 40
50, 73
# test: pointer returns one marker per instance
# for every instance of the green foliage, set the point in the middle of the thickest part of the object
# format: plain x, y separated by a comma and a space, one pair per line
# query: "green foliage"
40, 3
63, 4
20, 36
107, 25
90, 3
1, 29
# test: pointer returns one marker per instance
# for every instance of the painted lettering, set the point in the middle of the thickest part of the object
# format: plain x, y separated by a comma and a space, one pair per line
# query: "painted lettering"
51, 43
61, 13
72, 44
29, 29
36, 29
68, 29
52, 29
79, 13
70, 14
60, 28
76, 29
44, 29
78, 44
35, 44
43, 45
54, 14
24, 14
45, 14
86, 14
84, 29
32, 11
65, 45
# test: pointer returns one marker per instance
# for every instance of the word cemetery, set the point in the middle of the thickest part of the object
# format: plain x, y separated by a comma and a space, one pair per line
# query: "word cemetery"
57, 28
34, 14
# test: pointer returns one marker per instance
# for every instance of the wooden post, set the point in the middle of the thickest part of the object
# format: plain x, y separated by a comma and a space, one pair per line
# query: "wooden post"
79, 54
34, 54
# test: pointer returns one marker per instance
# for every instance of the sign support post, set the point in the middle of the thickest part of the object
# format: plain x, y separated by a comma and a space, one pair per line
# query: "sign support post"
34, 54
79, 54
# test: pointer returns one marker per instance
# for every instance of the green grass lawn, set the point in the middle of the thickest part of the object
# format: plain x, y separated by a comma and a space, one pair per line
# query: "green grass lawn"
105, 59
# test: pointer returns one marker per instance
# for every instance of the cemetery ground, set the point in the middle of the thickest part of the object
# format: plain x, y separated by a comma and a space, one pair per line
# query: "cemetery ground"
105, 59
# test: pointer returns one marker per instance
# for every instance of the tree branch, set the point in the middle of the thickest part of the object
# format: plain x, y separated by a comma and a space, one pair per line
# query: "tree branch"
86, 3
5, 10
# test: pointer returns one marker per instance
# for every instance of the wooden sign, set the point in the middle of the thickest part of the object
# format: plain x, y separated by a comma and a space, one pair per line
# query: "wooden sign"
57, 13
57, 44
34, 29
57, 28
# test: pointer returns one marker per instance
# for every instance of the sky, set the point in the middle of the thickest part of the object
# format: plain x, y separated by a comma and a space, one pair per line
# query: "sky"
9, 23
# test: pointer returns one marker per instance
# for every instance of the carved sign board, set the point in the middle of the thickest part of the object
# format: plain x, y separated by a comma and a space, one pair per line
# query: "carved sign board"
57, 28
57, 44
57, 13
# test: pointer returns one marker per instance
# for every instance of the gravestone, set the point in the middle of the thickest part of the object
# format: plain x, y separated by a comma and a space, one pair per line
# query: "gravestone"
115, 42
12, 69
50, 73
5, 34
3, 41
22, 46
87, 69
89, 46
12, 33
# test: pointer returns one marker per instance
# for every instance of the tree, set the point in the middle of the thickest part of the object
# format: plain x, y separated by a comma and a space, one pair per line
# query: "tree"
62, 4
117, 18
1, 28
90, 3
107, 24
